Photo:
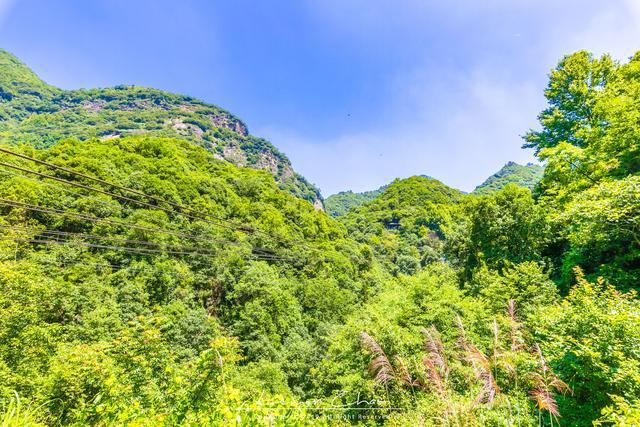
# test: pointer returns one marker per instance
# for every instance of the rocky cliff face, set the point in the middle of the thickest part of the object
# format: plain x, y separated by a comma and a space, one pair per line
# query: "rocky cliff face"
34, 112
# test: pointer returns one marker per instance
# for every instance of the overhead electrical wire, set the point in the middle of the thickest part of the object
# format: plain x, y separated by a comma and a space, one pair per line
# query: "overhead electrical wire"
118, 206
256, 250
114, 267
183, 210
110, 194
134, 250
141, 251
96, 237
59, 187
52, 211
108, 265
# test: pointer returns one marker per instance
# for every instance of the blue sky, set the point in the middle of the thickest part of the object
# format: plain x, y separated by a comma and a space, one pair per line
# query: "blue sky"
355, 92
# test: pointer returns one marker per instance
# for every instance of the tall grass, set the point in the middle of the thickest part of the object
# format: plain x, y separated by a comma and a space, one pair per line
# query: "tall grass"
15, 413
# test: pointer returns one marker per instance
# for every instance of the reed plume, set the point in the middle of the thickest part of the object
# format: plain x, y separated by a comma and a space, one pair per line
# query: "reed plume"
380, 367
546, 383
434, 361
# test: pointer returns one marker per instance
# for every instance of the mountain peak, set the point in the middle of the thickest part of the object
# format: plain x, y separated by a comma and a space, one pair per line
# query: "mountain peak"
16, 79
525, 176
125, 110
414, 189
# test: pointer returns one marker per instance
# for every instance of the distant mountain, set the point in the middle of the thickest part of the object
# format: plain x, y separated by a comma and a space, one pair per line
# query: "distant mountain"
410, 193
345, 201
339, 204
34, 112
403, 222
526, 176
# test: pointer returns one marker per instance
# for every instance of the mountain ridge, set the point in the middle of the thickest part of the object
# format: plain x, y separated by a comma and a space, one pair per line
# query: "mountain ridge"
403, 222
526, 176
340, 203
40, 114
343, 202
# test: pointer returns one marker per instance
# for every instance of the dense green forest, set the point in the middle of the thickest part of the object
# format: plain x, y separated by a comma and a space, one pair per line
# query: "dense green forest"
146, 281
341, 203
527, 176
404, 224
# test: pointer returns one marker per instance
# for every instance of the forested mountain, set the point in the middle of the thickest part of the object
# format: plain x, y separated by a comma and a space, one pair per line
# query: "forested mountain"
345, 201
341, 203
131, 297
146, 281
403, 224
34, 112
527, 176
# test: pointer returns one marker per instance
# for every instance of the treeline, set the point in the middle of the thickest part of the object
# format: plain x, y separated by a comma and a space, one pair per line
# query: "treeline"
515, 307
118, 306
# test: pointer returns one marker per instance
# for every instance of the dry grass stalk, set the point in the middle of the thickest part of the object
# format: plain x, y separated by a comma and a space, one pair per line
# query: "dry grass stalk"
380, 367
480, 363
462, 342
434, 361
403, 372
517, 341
482, 368
546, 384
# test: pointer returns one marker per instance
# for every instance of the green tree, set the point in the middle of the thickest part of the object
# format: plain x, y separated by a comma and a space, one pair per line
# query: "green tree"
591, 339
507, 226
573, 89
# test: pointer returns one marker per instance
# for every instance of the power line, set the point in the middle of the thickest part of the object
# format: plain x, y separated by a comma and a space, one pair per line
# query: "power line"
113, 267
96, 237
108, 193
108, 265
181, 208
58, 187
62, 262
14, 203
138, 251
254, 249
257, 250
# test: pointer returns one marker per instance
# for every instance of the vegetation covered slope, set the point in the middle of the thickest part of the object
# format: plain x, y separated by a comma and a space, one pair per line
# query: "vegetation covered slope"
34, 112
590, 142
557, 272
345, 201
116, 306
527, 176
403, 223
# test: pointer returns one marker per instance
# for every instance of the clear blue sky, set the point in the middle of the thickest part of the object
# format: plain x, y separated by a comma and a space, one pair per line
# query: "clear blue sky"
355, 92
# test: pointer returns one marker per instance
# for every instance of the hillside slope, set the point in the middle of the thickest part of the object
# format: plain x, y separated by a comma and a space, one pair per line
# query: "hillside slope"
31, 111
341, 203
346, 201
402, 223
140, 283
527, 176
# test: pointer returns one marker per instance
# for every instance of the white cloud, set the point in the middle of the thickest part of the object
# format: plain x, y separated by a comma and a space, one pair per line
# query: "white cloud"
610, 27
460, 141
458, 123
